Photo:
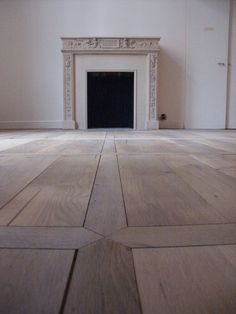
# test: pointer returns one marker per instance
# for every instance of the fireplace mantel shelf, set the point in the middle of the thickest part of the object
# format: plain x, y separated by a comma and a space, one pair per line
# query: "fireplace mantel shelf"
109, 45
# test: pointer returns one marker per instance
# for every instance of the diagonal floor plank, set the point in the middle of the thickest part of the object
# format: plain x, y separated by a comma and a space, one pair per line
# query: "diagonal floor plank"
103, 281
46, 238
33, 281
187, 280
65, 189
106, 209
215, 187
18, 203
155, 195
18, 171
166, 236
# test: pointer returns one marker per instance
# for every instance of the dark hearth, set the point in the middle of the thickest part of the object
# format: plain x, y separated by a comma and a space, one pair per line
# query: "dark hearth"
110, 99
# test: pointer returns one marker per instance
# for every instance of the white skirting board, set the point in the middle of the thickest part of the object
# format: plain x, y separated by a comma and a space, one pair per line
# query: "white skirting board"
54, 124
171, 124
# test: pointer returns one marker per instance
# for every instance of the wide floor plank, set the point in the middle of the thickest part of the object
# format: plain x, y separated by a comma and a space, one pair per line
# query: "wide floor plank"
218, 161
46, 238
65, 189
109, 147
33, 281
106, 209
147, 146
165, 236
103, 281
155, 195
18, 171
19, 202
187, 280
83, 147
215, 187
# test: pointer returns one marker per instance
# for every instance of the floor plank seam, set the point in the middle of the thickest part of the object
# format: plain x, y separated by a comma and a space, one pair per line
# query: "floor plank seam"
177, 246
91, 192
28, 184
20, 211
184, 225
136, 283
85, 227
122, 191
67, 288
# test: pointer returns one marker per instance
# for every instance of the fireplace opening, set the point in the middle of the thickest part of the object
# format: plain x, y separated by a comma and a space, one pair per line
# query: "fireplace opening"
110, 99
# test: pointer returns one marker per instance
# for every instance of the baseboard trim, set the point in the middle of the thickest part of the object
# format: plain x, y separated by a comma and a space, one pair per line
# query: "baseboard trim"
152, 125
171, 124
11, 125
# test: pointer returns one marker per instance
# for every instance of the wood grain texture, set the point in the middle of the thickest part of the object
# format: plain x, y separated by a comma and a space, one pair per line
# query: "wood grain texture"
46, 238
33, 281
215, 187
83, 147
37, 146
18, 203
226, 144
147, 146
155, 195
217, 161
166, 236
231, 171
196, 146
10, 143
187, 280
18, 171
64, 193
103, 281
109, 147
106, 209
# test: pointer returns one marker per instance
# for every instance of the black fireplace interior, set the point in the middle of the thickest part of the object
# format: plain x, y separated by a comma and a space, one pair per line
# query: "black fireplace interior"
110, 99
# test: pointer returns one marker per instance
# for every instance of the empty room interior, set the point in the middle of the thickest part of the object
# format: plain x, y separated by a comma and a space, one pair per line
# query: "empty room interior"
118, 156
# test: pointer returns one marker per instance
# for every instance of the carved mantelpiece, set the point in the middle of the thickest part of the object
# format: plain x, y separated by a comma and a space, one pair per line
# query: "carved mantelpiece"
122, 45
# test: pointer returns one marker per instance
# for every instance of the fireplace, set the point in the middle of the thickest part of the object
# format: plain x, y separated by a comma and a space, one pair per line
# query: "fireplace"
89, 62
110, 100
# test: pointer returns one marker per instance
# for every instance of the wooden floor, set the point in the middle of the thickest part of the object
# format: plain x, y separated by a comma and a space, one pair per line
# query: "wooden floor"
118, 222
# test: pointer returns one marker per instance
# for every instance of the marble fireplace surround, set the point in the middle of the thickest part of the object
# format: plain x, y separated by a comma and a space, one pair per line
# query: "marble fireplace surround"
74, 46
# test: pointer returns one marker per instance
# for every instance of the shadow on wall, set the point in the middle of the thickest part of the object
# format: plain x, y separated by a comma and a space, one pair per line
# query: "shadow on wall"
171, 97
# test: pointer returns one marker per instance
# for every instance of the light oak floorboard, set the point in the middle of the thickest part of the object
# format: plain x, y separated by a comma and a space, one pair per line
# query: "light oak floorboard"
230, 171
33, 281
187, 280
217, 189
147, 146
109, 147
46, 238
218, 161
197, 146
166, 236
10, 143
106, 208
65, 189
155, 195
18, 171
34, 147
18, 203
103, 281
83, 147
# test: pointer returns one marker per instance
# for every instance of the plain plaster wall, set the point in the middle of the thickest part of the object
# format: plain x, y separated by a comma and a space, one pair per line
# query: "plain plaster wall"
31, 84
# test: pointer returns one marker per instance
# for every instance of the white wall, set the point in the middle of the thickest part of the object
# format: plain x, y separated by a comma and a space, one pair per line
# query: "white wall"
31, 86
206, 63
231, 114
